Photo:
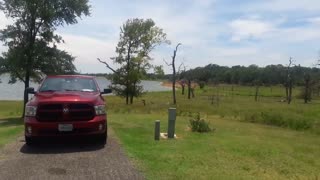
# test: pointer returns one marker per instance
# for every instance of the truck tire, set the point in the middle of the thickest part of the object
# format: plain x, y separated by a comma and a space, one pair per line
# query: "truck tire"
102, 139
29, 141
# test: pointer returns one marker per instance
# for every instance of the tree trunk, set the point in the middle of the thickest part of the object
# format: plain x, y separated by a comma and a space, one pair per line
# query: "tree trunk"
27, 77
25, 96
307, 91
256, 94
218, 96
174, 88
127, 98
131, 99
189, 89
192, 92
182, 89
174, 74
305, 95
287, 93
232, 93
290, 93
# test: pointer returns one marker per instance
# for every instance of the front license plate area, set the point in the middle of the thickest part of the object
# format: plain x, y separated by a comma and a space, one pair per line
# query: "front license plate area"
65, 127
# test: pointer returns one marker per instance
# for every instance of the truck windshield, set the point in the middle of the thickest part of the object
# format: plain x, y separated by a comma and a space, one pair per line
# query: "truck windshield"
68, 84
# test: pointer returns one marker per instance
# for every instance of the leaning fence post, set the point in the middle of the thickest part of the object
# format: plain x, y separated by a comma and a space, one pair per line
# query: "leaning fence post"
157, 130
171, 122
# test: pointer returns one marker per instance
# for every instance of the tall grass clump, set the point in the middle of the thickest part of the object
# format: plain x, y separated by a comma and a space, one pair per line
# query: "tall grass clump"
198, 124
296, 122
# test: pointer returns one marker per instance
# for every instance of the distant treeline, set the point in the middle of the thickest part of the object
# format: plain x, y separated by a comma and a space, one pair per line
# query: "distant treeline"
269, 75
214, 74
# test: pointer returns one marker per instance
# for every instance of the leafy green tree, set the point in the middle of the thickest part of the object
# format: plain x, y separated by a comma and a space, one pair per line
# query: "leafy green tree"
138, 37
31, 41
158, 71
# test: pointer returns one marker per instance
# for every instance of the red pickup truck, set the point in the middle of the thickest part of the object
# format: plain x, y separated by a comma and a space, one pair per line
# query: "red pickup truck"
66, 105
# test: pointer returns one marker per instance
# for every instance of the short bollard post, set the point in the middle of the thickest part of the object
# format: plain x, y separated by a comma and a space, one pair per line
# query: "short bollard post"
171, 122
157, 130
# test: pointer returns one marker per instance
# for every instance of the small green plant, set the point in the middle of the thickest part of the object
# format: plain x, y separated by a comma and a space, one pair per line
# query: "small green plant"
199, 125
202, 84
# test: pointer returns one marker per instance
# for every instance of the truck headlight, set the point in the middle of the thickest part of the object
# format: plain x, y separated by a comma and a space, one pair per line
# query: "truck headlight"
100, 110
31, 111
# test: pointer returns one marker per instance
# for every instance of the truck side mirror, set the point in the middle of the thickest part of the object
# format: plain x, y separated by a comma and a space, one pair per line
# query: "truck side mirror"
106, 91
30, 90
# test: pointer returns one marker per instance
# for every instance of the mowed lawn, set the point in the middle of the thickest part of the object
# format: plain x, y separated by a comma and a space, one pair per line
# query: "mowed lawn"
252, 140
11, 125
235, 150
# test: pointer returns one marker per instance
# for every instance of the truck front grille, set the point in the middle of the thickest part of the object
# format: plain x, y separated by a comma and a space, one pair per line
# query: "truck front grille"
65, 112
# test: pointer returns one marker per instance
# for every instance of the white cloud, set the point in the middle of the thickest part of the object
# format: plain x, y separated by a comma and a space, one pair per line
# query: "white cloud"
298, 35
314, 20
247, 56
285, 5
87, 50
243, 29
211, 31
4, 21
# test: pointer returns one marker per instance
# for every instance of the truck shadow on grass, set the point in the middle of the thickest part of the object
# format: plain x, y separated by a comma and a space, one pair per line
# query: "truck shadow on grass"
61, 146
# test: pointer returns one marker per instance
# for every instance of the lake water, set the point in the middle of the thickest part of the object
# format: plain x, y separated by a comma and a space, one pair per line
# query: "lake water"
15, 91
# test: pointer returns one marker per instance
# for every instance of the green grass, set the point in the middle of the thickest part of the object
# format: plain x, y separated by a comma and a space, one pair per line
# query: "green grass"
234, 151
267, 139
268, 110
10, 123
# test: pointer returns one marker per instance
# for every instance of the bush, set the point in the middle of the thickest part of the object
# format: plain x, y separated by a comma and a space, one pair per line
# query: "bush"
202, 84
199, 125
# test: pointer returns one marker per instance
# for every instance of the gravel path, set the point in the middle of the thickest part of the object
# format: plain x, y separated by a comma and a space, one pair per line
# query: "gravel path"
67, 160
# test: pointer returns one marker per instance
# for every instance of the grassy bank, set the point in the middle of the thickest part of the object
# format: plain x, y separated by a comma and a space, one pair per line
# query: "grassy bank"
268, 139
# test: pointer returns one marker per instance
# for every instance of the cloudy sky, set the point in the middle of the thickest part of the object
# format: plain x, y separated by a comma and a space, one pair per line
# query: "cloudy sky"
224, 32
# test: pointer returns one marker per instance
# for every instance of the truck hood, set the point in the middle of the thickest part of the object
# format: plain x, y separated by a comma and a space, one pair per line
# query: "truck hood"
66, 97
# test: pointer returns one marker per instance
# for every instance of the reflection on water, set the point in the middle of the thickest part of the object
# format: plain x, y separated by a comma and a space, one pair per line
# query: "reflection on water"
15, 91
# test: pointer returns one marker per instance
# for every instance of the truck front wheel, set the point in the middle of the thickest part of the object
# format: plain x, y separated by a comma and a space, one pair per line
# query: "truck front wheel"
29, 141
102, 139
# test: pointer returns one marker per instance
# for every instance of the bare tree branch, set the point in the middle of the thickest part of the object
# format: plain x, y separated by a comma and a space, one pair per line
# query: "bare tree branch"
107, 65
174, 72
167, 63
179, 68
175, 51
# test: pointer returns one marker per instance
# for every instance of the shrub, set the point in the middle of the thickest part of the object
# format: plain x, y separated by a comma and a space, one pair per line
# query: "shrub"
202, 84
199, 125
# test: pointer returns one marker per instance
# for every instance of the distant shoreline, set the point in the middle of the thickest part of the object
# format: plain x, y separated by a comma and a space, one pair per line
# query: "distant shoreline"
169, 84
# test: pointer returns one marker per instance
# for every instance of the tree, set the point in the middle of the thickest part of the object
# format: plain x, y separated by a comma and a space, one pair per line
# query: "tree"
289, 81
182, 83
307, 91
173, 64
181, 75
31, 40
138, 37
158, 71
257, 84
